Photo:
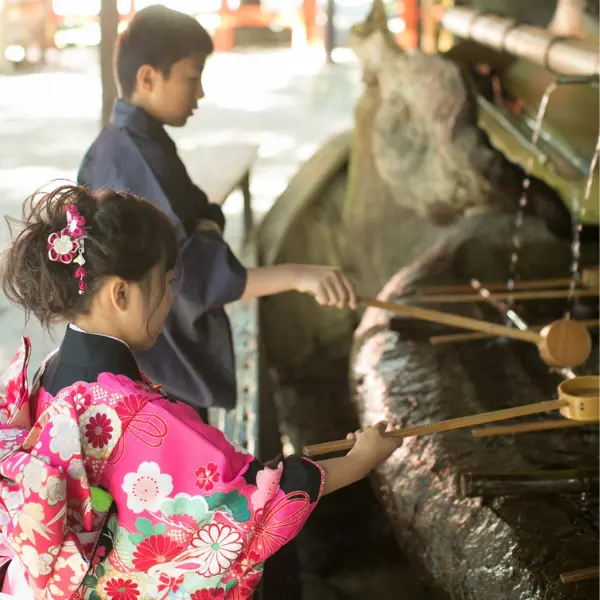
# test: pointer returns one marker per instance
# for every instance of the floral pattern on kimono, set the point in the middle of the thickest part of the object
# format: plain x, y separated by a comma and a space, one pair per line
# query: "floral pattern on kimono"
194, 518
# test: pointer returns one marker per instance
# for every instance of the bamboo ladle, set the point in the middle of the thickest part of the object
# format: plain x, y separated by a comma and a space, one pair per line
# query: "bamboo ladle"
563, 343
590, 278
578, 400
452, 338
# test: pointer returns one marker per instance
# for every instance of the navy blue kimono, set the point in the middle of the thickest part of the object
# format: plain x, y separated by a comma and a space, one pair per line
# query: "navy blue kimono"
193, 358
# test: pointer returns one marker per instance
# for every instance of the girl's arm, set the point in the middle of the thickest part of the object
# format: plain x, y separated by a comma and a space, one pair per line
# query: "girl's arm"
328, 285
370, 450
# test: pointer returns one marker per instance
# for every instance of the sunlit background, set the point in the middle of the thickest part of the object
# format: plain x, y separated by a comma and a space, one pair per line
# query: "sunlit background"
278, 94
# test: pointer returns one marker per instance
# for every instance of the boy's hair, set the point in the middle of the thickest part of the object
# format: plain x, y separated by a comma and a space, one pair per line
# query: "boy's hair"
125, 237
159, 37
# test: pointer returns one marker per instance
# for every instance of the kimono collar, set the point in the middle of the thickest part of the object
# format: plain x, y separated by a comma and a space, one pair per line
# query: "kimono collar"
99, 352
137, 121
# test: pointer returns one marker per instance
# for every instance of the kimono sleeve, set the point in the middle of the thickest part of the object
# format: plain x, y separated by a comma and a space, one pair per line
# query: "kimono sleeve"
171, 463
210, 275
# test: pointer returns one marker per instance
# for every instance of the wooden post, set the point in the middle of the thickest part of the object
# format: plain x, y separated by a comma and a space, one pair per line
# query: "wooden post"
411, 34
5, 66
109, 28
330, 30
428, 27
309, 9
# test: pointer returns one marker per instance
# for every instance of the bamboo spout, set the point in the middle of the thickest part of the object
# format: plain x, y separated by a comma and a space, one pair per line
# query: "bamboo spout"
569, 57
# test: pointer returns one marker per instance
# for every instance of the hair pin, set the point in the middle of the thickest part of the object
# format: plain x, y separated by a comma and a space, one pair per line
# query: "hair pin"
68, 245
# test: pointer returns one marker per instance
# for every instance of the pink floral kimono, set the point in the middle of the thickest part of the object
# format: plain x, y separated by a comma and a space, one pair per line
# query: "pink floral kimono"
112, 491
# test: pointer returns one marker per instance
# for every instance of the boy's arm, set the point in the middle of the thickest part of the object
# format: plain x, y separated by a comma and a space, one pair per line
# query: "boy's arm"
328, 285
210, 276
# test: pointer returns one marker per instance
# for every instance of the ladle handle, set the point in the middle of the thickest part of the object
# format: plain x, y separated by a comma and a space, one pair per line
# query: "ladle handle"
435, 316
449, 425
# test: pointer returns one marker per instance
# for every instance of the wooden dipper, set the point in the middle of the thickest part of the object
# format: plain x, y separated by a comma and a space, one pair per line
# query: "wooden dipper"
563, 343
579, 400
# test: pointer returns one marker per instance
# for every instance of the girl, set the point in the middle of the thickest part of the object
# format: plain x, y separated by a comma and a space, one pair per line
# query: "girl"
108, 489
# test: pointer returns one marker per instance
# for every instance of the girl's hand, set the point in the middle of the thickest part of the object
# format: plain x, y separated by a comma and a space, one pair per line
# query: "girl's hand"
372, 446
328, 285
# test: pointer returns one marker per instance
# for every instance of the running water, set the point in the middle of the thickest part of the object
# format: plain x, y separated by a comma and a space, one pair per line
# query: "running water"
520, 216
578, 213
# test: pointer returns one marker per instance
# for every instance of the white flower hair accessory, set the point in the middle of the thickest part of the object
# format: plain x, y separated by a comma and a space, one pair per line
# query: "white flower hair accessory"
67, 246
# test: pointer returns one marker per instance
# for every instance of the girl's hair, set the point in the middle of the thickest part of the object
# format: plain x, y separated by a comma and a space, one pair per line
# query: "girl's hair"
126, 237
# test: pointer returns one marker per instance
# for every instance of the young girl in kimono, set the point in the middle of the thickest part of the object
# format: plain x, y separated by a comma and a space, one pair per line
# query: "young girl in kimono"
108, 489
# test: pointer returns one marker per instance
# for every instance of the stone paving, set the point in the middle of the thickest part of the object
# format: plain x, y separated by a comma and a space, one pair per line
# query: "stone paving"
286, 101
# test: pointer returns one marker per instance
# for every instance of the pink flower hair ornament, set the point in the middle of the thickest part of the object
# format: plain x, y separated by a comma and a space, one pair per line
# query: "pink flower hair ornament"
68, 245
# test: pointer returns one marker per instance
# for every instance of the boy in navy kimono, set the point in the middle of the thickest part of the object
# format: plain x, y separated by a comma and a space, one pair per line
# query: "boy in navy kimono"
158, 64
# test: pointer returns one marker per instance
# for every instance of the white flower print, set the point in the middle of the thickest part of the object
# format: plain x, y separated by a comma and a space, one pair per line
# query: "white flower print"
34, 475
76, 469
217, 546
10, 435
15, 367
65, 437
71, 559
37, 564
147, 488
13, 500
55, 491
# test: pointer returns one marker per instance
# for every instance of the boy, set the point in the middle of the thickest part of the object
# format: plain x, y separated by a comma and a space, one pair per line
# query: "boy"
158, 64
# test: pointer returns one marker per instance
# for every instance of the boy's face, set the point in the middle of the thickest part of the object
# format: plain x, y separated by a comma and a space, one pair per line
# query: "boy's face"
172, 100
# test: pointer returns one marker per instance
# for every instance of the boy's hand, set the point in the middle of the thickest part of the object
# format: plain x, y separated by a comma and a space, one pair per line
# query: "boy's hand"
208, 225
328, 285
371, 446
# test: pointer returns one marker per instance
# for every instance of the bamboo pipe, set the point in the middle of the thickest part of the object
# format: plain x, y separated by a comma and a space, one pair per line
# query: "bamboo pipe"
514, 296
563, 343
469, 337
580, 575
491, 485
532, 43
579, 400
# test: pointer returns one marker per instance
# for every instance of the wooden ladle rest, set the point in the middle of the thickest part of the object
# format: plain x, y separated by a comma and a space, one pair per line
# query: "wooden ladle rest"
578, 400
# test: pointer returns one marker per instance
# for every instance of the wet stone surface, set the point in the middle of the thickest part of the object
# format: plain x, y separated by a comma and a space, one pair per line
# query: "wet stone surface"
347, 550
507, 548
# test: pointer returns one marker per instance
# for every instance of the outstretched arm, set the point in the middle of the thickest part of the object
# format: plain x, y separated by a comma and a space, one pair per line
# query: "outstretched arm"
328, 285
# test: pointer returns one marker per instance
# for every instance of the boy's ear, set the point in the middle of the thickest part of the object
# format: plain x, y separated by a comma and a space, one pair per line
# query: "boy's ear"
145, 79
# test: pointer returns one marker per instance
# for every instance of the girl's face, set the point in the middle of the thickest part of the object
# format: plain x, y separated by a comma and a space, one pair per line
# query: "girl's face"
149, 305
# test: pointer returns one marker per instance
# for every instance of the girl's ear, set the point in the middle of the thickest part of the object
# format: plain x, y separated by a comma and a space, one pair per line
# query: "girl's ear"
118, 293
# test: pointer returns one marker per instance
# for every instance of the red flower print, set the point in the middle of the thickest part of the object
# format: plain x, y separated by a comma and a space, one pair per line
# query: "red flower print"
155, 550
99, 555
207, 477
80, 396
168, 583
246, 562
98, 431
211, 594
244, 590
122, 589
